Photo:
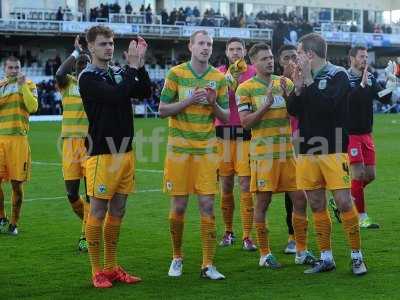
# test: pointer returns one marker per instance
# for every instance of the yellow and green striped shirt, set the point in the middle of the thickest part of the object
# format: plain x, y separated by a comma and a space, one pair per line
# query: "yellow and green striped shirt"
14, 116
74, 121
192, 130
270, 138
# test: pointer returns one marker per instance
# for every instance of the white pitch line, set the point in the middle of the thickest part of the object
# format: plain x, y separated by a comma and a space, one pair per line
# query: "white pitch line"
59, 164
61, 197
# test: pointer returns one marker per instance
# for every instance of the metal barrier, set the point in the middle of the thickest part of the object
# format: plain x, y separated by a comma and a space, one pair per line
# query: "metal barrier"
123, 29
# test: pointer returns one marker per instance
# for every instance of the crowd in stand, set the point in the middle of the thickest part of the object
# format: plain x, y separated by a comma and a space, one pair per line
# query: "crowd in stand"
104, 10
49, 98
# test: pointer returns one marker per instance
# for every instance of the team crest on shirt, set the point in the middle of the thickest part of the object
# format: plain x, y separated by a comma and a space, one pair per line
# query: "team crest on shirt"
322, 84
353, 152
169, 185
102, 188
261, 183
118, 78
212, 85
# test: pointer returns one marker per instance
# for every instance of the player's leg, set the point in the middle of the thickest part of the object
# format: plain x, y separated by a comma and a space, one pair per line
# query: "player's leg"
16, 198
3, 218
208, 237
246, 212
370, 174
111, 231
323, 228
77, 204
94, 228
300, 224
357, 187
351, 227
227, 208
337, 176
176, 228
291, 245
263, 199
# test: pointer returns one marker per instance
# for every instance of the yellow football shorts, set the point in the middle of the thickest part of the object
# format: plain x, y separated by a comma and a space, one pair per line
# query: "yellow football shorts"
329, 171
234, 157
273, 175
186, 174
108, 174
74, 158
15, 158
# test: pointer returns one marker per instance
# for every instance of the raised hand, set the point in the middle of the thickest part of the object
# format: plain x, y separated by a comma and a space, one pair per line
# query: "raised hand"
364, 81
198, 96
21, 79
298, 79
270, 99
136, 52
211, 96
77, 45
284, 87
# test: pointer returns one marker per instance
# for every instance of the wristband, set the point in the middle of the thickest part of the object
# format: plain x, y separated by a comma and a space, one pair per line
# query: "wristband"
75, 54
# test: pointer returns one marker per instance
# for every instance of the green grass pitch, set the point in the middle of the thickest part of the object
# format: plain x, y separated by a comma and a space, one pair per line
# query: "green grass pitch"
42, 262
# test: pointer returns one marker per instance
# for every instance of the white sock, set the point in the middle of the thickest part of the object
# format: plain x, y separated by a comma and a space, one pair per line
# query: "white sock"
327, 255
356, 254
363, 216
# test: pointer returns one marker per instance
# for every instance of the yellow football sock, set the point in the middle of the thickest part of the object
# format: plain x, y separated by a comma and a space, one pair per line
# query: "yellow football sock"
93, 236
2, 212
77, 207
86, 209
300, 231
227, 207
352, 228
176, 226
246, 213
323, 228
16, 207
112, 227
262, 238
208, 238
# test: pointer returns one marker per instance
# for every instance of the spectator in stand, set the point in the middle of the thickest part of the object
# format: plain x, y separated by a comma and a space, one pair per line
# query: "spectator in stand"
164, 16
149, 15
128, 8
196, 12
59, 14
142, 9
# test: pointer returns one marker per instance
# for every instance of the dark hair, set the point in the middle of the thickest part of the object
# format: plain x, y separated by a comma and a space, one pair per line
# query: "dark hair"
314, 42
12, 59
235, 39
285, 48
257, 48
194, 34
354, 50
94, 31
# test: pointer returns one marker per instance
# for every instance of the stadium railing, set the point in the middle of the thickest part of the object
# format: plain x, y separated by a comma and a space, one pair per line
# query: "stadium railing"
124, 29
43, 14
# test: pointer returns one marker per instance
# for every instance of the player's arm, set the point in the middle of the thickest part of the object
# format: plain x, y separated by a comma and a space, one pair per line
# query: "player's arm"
141, 88
376, 89
218, 99
168, 108
169, 102
295, 100
67, 66
248, 118
29, 93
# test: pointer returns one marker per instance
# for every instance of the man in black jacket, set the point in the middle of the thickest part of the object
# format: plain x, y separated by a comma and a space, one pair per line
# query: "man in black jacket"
106, 93
361, 150
320, 103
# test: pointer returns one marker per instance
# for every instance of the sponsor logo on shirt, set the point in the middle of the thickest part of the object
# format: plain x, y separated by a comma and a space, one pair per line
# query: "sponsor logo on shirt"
322, 84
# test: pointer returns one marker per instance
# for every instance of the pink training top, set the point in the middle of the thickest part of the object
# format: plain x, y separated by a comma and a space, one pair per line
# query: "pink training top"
234, 119
294, 123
